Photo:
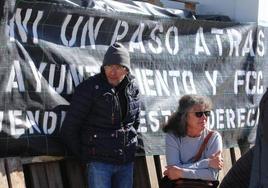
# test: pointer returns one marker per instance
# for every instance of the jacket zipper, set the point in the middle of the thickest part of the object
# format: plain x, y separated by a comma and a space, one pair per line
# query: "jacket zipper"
119, 107
127, 99
113, 106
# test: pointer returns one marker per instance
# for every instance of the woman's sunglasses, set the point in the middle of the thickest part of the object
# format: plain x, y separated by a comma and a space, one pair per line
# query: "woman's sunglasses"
200, 114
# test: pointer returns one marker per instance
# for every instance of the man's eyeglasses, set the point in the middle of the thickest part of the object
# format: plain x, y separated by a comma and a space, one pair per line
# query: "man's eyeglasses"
114, 67
200, 114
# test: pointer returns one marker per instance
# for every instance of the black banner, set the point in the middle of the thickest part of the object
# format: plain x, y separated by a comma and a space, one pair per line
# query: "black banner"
48, 48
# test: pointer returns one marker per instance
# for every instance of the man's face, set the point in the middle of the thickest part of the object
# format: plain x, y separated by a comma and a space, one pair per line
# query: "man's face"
115, 73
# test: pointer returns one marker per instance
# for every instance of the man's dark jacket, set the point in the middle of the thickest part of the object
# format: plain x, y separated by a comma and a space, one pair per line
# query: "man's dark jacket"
93, 128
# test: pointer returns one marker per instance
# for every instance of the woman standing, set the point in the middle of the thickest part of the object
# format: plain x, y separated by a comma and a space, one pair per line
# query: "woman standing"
186, 131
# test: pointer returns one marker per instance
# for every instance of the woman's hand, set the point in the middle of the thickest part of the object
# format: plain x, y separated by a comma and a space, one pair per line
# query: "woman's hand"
216, 161
173, 172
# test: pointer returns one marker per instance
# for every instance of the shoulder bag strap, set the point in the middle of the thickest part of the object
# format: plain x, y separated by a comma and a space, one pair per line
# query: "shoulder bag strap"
202, 147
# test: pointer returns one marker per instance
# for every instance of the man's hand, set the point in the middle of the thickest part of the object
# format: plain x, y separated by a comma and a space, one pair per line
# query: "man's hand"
173, 172
216, 161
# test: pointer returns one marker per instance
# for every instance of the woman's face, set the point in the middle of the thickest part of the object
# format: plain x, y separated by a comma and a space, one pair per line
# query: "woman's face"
197, 118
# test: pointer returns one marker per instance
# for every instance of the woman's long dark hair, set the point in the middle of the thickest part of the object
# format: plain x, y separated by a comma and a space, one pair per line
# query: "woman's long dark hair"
177, 122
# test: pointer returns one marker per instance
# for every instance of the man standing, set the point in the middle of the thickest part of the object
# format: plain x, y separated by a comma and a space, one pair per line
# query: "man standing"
101, 125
